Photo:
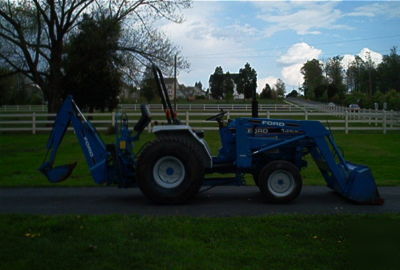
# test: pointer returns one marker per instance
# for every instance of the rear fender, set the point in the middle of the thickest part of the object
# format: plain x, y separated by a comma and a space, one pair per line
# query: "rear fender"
176, 130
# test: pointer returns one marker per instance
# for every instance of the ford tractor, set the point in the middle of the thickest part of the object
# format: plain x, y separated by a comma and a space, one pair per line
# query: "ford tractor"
174, 166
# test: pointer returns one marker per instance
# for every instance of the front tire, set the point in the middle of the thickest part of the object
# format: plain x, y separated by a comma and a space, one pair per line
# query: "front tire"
280, 181
170, 170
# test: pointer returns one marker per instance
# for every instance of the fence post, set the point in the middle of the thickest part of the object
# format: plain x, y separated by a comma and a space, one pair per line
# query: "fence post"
376, 117
384, 121
369, 117
204, 107
305, 114
391, 118
268, 114
33, 123
187, 118
346, 122
228, 115
149, 127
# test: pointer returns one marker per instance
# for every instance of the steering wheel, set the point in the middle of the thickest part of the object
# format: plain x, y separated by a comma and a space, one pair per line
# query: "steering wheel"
218, 117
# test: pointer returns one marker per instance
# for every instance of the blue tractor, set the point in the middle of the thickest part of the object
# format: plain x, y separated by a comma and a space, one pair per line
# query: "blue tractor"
172, 168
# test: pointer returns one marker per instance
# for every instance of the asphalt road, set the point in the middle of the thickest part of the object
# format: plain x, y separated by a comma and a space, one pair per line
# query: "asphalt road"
220, 201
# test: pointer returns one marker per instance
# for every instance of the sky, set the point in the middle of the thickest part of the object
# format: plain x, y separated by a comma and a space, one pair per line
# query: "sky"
277, 37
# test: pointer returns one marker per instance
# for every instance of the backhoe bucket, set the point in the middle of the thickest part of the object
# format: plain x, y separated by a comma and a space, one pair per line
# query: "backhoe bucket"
361, 186
57, 174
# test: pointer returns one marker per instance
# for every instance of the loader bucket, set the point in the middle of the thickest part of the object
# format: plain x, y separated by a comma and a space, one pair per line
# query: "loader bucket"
57, 174
361, 187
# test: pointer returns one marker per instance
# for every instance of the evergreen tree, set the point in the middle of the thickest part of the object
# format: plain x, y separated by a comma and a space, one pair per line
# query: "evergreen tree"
247, 81
266, 93
228, 86
216, 83
199, 85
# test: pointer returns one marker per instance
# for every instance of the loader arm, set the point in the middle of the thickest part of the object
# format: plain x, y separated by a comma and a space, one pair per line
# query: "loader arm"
291, 140
92, 145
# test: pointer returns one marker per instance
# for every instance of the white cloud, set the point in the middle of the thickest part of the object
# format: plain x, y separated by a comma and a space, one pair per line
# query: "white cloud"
294, 59
292, 75
301, 17
389, 9
299, 53
347, 60
364, 54
205, 43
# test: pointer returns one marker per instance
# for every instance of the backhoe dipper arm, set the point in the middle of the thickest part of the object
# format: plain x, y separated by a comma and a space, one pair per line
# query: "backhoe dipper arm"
92, 146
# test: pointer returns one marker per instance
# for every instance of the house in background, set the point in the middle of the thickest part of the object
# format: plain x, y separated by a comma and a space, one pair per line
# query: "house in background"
182, 91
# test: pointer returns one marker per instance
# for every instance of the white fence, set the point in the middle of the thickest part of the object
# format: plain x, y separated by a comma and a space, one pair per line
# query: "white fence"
346, 121
180, 107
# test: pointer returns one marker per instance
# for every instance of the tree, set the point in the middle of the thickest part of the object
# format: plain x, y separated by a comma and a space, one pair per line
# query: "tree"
267, 93
91, 64
334, 74
148, 85
33, 35
362, 76
216, 83
7, 82
198, 85
280, 88
354, 74
227, 86
293, 93
247, 81
16, 89
313, 77
389, 71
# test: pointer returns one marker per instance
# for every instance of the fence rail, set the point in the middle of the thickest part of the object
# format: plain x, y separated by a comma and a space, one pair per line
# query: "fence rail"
346, 121
158, 107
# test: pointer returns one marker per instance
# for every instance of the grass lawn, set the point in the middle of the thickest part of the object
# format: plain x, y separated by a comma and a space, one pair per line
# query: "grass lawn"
133, 242
22, 154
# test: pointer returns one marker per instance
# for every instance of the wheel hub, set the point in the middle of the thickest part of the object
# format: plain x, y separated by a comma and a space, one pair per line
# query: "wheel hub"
281, 183
169, 172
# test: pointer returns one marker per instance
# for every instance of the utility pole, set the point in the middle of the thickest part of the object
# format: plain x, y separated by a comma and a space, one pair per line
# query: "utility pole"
175, 83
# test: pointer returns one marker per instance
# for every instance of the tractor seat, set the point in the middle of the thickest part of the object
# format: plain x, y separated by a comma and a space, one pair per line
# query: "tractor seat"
199, 133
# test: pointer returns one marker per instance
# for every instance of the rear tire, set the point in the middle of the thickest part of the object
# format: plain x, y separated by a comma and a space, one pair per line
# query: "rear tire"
170, 170
280, 181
